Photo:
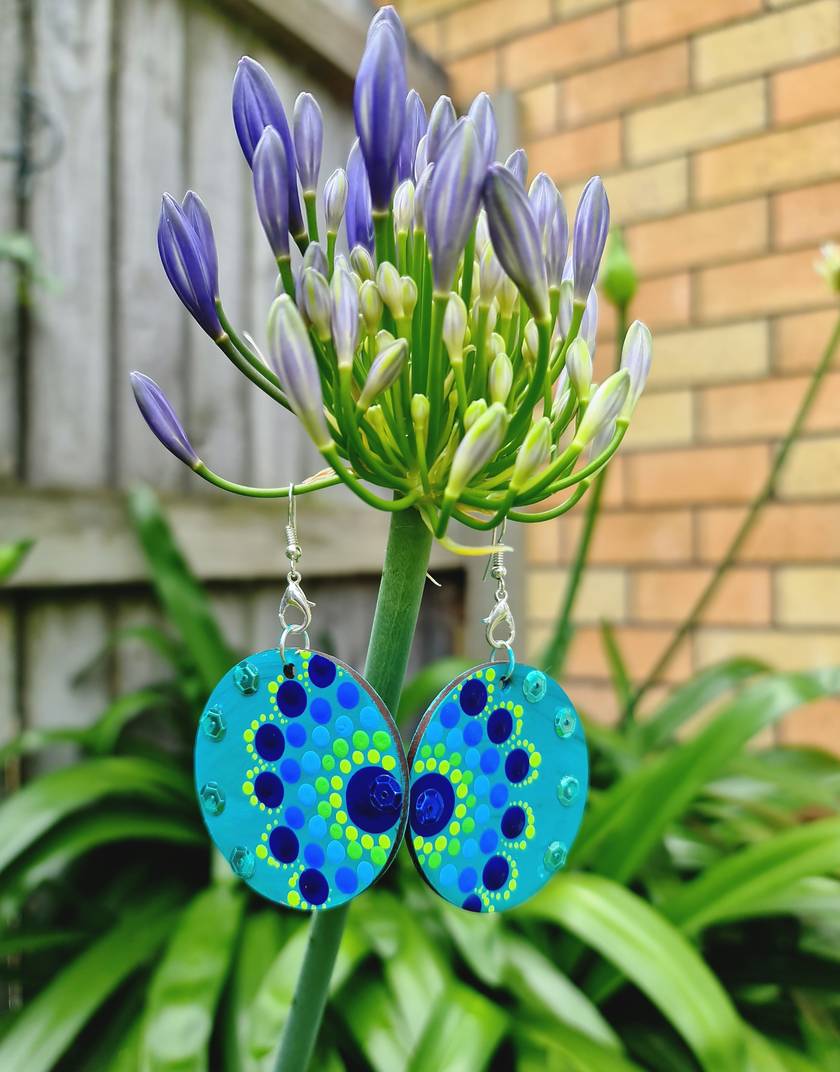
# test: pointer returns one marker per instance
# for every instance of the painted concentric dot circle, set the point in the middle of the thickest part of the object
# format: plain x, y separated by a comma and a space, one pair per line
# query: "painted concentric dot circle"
311, 776
499, 776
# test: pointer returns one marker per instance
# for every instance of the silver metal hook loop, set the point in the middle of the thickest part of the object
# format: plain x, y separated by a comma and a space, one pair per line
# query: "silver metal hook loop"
294, 595
500, 614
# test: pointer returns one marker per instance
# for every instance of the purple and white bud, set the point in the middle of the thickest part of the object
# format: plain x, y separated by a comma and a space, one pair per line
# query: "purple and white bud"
345, 317
409, 296
413, 130
308, 124
196, 212
579, 368
557, 244
384, 371
606, 404
421, 158
271, 190
335, 200
543, 196
601, 441
315, 302
636, 356
566, 308
592, 225
388, 16
183, 253
517, 165
455, 327
362, 263
404, 207
371, 306
589, 323
482, 233
292, 357
500, 378
441, 122
562, 394
490, 275
390, 287
421, 195
314, 257
358, 218
161, 418
532, 456
482, 114
379, 106
480, 444
516, 237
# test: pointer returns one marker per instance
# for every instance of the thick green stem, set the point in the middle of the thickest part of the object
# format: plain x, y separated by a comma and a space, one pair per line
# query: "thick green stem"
400, 592
764, 496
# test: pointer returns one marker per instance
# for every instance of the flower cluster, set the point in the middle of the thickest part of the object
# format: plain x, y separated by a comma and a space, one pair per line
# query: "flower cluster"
447, 357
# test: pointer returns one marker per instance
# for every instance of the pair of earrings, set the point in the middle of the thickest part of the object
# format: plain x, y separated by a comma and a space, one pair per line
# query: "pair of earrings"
306, 789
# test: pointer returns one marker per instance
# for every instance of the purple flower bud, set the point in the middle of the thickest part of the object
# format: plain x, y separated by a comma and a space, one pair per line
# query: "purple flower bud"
413, 130
482, 114
379, 109
636, 355
543, 196
421, 196
441, 122
421, 158
314, 257
592, 224
160, 417
335, 199
404, 207
345, 317
557, 244
315, 302
290, 351
199, 217
358, 220
516, 237
257, 105
452, 202
387, 16
480, 443
271, 190
589, 323
517, 165
309, 140
182, 252
384, 371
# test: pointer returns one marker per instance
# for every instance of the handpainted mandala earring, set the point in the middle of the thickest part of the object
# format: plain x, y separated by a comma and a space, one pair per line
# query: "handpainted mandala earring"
499, 778
299, 768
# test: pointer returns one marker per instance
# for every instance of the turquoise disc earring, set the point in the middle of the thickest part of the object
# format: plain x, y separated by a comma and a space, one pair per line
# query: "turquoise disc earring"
499, 779
299, 769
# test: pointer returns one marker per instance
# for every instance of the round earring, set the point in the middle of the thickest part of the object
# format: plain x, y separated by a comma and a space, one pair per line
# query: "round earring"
299, 768
499, 777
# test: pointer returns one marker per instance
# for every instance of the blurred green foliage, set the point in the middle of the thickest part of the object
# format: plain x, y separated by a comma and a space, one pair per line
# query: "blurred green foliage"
696, 927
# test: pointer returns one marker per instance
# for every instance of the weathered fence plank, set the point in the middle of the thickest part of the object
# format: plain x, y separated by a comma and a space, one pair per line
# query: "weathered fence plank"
11, 87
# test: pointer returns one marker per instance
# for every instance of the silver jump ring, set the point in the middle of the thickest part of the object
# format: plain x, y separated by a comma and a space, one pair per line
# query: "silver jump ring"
296, 630
511, 660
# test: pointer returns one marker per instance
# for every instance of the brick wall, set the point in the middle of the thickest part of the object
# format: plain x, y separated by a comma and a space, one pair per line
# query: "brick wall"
716, 126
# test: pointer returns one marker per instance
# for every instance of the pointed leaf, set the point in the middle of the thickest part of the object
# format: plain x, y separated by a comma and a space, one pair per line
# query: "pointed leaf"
461, 1034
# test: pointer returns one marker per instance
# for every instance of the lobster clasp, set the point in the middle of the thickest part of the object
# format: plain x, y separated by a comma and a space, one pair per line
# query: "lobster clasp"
500, 615
294, 596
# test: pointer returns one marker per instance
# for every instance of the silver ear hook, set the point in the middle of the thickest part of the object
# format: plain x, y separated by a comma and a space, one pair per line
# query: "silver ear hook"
501, 614
294, 595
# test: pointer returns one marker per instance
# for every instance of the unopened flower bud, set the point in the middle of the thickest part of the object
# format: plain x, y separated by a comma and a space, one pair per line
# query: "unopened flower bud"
473, 411
566, 310
517, 165
390, 287
379, 94
543, 197
315, 302
532, 457
314, 257
592, 222
345, 317
453, 200
508, 297
441, 122
636, 355
562, 394
606, 404
421, 194
500, 378
421, 158
161, 418
362, 263
383, 340
335, 199
271, 189
480, 443
384, 371
496, 345
618, 276
455, 327
404, 207
482, 234
516, 237
557, 244
579, 367
531, 342
491, 276
370, 306
291, 354
589, 323
420, 415
413, 131
602, 440
482, 114
409, 296
308, 126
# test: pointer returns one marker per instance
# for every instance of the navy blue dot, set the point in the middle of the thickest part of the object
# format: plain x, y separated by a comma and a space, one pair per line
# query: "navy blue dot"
472, 733
291, 699
374, 800
517, 765
294, 817
489, 840
290, 770
348, 695
472, 903
284, 844
321, 671
500, 725
296, 735
431, 804
313, 886
269, 789
449, 715
314, 855
498, 795
269, 742
489, 760
320, 710
473, 696
345, 879
495, 873
513, 822
467, 879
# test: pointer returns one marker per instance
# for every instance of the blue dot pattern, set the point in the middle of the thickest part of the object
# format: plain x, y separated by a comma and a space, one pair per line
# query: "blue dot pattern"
313, 776
486, 764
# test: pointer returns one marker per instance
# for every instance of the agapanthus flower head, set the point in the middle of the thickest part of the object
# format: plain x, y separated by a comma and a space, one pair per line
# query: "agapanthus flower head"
445, 357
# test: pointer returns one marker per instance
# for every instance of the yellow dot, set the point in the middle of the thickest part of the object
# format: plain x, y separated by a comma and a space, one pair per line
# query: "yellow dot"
431, 763
444, 766
358, 757
461, 791
419, 766
255, 725
248, 787
373, 756
518, 710
461, 811
490, 673
293, 897
248, 735
262, 718
384, 841
536, 759
388, 762
506, 895
352, 833
428, 847
273, 686
529, 831
512, 884
418, 842
341, 816
454, 828
335, 800
336, 782
455, 777
293, 879
440, 842
261, 851
367, 841
254, 801
345, 766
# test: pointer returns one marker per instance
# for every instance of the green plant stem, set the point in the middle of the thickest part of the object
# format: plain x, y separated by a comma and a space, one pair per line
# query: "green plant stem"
397, 606
766, 493
558, 646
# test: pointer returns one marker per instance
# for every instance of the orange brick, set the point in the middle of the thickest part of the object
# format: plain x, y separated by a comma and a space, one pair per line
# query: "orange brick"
796, 532
664, 596
769, 162
413, 11
817, 725
812, 470
542, 542
576, 153
764, 285
596, 701
639, 647
610, 88
799, 340
564, 47
647, 22
642, 193
810, 215
429, 36
781, 649
470, 76
804, 93
630, 537
662, 303
538, 110
698, 238
764, 410
700, 475
488, 22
